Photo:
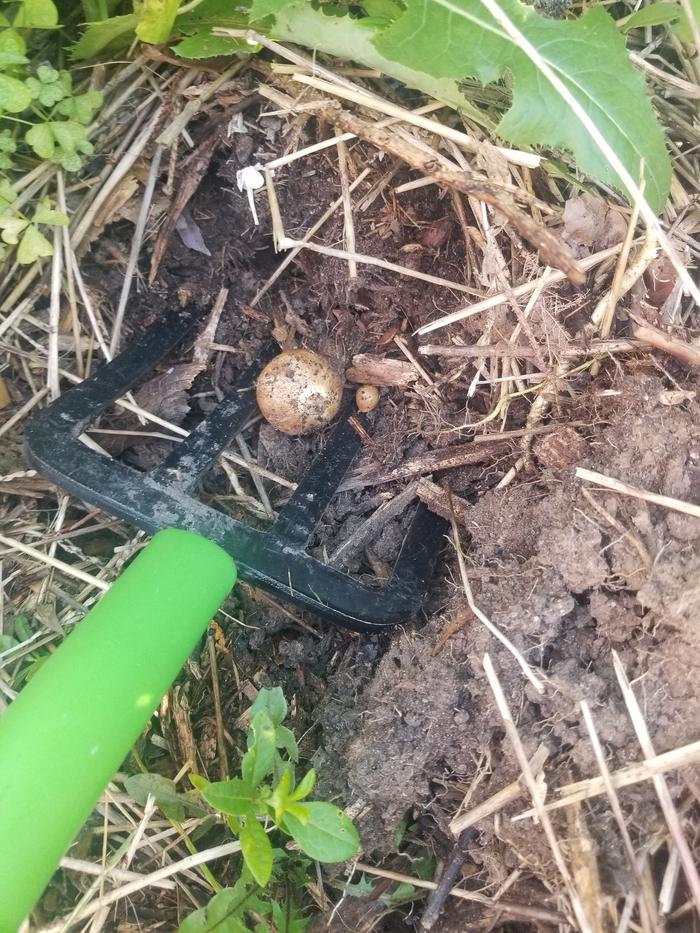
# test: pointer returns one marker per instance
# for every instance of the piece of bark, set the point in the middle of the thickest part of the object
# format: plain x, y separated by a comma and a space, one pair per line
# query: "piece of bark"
431, 462
438, 501
372, 370
561, 449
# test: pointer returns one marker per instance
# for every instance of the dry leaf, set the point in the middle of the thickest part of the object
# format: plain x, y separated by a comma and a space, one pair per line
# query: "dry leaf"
5, 397
590, 224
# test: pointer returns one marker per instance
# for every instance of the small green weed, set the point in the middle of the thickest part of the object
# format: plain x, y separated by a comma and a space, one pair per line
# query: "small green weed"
42, 118
261, 805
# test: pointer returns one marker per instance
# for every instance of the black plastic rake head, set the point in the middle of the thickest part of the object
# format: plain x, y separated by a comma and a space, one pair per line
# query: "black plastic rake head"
276, 560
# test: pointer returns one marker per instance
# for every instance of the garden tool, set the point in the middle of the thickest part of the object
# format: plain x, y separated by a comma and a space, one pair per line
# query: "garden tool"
70, 728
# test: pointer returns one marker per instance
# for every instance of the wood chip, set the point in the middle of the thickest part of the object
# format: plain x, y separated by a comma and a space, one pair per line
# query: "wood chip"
437, 500
372, 370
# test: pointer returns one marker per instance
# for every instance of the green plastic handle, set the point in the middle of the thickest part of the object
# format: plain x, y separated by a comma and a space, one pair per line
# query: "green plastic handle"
71, 727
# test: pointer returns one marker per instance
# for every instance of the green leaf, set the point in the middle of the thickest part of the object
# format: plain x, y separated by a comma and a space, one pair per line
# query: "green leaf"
11, 228
49, 86
12, 48
259, 9
80, 107
458, 38
172, 803
44, 214
280, 795
284, 738
198, 782
234, 797
7, 193
210, 13
41, 140
224, 913
155, 19
14, 95
287, 918
203, 44
653, 15
272, 702
69, 135
33, 246
305, 786
257, 761
113, 33
37, 14
257, 850
328, 836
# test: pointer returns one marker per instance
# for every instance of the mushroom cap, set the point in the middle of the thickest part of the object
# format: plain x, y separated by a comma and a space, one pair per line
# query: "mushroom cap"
299, 392
367, 398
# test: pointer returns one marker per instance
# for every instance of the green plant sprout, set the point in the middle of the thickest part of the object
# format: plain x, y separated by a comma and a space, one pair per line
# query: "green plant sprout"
261, 807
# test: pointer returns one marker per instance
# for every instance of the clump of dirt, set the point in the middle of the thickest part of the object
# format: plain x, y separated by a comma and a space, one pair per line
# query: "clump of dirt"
567, 582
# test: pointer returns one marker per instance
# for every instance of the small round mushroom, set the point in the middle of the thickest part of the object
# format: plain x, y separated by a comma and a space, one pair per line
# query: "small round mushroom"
299, 392
367, 398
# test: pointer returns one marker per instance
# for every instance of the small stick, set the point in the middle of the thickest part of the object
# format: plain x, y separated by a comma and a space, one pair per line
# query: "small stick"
615, 485
70, 569
146, 881
287, 243
369, 528
660, 786
536, 794
117, 874
136, 242
550, 277
654, 337
533, 913
292, 255
309, 150
349, 226
647, 906
463, 455
681, 757
70, 280
216, 696
54, 317
20, 413
500, 799
436, 901
518, 351
631, 538
427, 378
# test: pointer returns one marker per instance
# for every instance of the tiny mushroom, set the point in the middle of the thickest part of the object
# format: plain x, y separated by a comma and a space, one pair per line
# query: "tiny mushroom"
299, 391
367, 398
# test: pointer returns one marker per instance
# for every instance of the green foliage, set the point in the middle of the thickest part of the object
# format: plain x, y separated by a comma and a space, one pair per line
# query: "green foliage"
41, 118
264, 801
155, 19
434, 45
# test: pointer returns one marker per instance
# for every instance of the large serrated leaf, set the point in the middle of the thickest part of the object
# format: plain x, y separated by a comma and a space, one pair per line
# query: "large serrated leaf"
459, 38
435, 44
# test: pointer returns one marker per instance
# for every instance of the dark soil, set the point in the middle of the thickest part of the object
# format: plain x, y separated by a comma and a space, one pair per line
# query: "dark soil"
394, 726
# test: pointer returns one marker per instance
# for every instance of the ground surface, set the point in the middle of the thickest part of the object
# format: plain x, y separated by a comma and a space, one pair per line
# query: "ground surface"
403, 725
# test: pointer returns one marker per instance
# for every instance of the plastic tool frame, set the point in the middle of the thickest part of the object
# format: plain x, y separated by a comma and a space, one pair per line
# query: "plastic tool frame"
276, 560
